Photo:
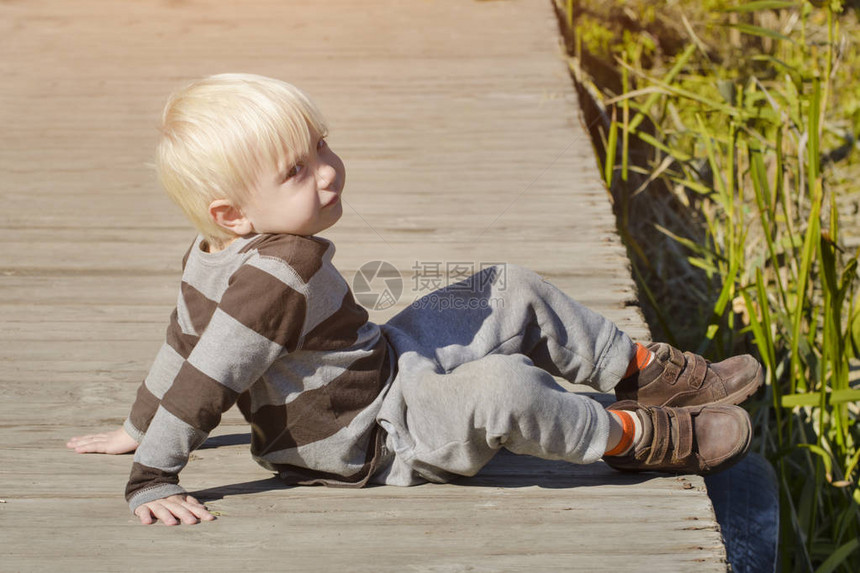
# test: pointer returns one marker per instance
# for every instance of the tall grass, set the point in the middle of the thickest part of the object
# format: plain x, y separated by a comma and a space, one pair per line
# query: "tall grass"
739, 147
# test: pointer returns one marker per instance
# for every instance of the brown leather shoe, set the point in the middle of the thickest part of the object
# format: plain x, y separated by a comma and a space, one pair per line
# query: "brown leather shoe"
696, 440
685, 379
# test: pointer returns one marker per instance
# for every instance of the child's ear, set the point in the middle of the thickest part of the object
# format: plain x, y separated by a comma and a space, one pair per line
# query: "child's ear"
230, 217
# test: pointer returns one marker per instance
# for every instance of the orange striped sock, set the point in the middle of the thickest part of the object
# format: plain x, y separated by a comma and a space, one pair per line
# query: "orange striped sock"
628, 433
642, 359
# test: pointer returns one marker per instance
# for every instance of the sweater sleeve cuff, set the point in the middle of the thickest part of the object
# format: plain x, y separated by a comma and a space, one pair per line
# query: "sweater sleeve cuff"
151, 494
132, 431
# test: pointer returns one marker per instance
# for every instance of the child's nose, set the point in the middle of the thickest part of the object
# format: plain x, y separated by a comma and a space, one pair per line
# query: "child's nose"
325, 172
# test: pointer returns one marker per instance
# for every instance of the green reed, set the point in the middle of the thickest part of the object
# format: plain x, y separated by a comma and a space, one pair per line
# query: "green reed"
740, 145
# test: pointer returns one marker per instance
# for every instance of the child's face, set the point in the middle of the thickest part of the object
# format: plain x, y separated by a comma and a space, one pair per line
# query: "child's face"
301, 198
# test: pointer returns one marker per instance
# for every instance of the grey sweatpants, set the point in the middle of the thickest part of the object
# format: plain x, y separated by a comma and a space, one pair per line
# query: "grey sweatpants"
475, 366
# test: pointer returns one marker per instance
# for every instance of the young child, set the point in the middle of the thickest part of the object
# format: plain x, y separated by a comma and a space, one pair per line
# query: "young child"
265, 321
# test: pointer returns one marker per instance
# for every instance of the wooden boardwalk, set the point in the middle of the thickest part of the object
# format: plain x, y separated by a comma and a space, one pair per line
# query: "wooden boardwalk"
460, 131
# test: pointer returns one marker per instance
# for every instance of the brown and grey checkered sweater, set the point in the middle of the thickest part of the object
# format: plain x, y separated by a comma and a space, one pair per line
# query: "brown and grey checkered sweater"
271, 324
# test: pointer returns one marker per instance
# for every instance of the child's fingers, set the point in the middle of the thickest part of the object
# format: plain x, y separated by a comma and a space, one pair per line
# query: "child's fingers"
173, 510
116, 442
198, 509
144, 515
81, 441
87, 438
168, 515
182, 511
93, 443
156, 510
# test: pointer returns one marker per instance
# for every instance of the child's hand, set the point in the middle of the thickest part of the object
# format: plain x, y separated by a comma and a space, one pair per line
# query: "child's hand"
173, 510
116, 442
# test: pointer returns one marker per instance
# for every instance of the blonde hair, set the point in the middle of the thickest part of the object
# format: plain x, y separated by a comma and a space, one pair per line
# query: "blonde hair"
219, 133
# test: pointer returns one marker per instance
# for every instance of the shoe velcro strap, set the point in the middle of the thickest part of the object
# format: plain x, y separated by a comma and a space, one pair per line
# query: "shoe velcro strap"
696, 371
674, 365
661, 435
684, 441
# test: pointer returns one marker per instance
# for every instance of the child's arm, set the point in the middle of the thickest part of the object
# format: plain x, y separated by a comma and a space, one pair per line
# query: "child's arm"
259, 318
115, 442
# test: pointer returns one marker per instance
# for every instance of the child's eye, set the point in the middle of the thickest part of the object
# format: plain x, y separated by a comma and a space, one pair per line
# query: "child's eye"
321, 143
293, 171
